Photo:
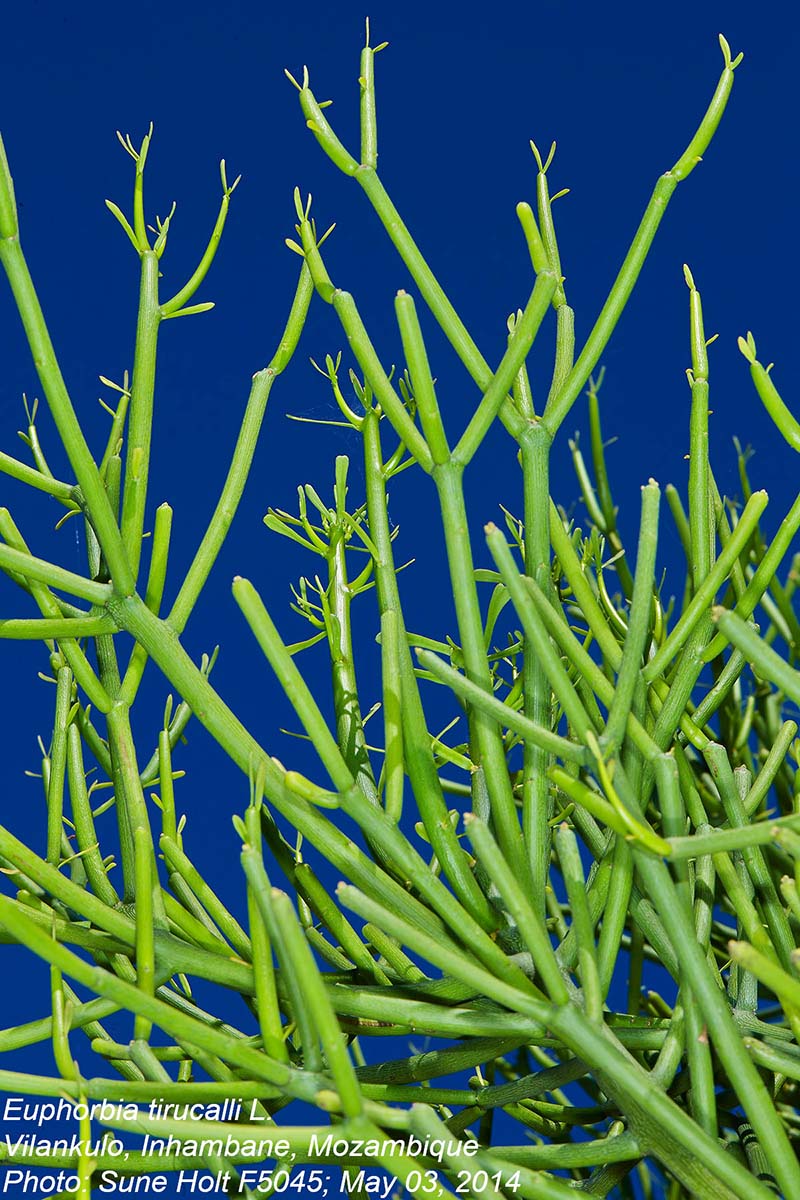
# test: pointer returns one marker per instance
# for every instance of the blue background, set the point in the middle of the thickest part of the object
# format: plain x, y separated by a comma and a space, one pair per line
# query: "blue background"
460, 92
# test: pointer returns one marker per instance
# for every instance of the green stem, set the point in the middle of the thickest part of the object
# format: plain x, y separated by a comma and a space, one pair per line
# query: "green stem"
64, 415
51, 608
175, 1023
417, 750
268, 1006
767, 663
227, 924
772, 764
165, 650
145, 949
551, 743
55, 628
535, 630
12, 560
529, 922
764, 574
242, 460
140, 421
172, 307
770, 396
704, 595
58, 766
560, 632
421, 378
349, 721
489, 751
714, 841
131, 805
293, 684
301, 963
495, 392
615, 912
370, 364
752, 856
36, 479
536, 691
638, 622
85, 832
394, 769
559, 406
701, 523
432, 292
156, 579
740, 1069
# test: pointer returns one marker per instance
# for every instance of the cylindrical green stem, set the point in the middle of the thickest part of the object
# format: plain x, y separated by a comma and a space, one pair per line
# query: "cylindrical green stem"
537, 693
140, 420
489, 751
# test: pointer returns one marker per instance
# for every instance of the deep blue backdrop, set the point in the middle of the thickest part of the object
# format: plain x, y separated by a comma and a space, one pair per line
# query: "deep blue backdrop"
460, 93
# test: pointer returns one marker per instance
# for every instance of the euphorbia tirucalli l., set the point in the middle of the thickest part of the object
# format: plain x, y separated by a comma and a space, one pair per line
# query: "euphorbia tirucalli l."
616, 788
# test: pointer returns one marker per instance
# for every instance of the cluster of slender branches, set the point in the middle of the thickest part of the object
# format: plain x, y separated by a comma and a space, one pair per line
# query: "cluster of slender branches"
623, 793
